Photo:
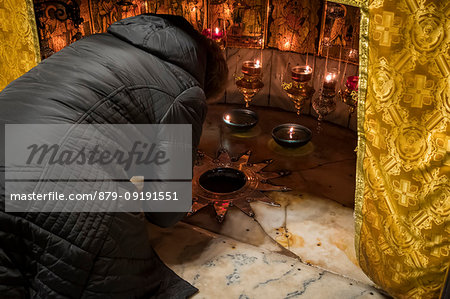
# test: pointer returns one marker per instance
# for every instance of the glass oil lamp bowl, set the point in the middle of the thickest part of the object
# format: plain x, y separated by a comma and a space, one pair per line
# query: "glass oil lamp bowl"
299, 90
250, 83
217, 35
350, 95
326, 102
291, 135
240, 119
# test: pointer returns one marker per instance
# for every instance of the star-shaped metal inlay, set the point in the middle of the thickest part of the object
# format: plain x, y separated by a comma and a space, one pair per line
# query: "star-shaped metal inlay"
257, 181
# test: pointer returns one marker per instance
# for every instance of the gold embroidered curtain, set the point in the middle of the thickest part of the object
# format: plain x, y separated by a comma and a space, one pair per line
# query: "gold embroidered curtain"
403, 193
19, 45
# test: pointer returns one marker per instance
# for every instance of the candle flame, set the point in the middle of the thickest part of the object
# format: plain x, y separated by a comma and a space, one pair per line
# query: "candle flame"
291, 130
257, 64
227, 117
217, 30
308, 69
328, 77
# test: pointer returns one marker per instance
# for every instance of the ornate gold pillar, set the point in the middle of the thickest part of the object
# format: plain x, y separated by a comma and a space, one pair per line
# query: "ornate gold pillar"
403, 192
19, 44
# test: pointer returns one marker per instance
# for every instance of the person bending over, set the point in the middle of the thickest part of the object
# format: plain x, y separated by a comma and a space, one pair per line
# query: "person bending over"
148, 69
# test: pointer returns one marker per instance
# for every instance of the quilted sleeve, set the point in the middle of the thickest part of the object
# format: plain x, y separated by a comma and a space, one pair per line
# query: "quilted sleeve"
12, 283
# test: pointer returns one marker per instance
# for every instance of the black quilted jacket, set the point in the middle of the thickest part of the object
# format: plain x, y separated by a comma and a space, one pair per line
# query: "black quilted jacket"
144, 70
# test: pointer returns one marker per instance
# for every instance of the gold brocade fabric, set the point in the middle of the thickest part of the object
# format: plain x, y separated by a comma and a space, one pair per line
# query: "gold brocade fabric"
403, 191
19, 45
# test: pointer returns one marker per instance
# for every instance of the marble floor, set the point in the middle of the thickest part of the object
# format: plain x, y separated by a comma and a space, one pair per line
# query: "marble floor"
222, 267
304, 247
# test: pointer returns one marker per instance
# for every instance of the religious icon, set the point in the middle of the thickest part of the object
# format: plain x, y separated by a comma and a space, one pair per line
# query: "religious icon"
244, 21
339, 36
293, 25
58, 25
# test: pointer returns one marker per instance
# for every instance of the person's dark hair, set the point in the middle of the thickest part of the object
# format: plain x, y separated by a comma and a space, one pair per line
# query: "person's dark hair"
216, 75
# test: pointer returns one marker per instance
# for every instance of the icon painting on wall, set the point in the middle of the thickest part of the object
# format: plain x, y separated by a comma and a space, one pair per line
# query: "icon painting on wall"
244, 21
61, 23
293, 25
192, 10
339, 36
287, 25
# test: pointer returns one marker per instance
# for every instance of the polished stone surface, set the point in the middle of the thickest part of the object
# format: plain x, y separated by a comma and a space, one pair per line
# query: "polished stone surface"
325, 168
317, 230
222, 267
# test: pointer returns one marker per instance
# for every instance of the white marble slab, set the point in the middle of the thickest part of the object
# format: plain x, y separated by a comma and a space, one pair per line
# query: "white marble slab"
238, 226
221, 267
318, 230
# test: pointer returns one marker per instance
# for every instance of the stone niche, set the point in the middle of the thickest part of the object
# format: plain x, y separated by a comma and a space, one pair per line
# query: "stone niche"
281, 33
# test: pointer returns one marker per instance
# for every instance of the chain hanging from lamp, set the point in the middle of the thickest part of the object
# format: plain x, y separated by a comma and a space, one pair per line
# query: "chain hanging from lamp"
325, 103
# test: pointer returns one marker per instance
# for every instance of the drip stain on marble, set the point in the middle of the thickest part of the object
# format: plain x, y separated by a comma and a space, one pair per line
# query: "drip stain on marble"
317, 230
287, 239
226, 268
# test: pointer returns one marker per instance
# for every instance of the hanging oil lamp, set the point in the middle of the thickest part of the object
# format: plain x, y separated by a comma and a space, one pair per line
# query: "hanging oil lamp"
326, 103
350, 95
299, 90
250, 83
217, 35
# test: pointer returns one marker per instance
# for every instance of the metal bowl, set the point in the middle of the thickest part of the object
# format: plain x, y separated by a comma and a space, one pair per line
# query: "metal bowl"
301, 135
240, 119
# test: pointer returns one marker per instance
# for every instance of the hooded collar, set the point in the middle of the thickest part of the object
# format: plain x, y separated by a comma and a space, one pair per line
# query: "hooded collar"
155, 34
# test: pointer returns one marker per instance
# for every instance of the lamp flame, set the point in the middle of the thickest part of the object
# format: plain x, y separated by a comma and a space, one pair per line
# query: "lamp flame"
291, 131
257, 64
217, 30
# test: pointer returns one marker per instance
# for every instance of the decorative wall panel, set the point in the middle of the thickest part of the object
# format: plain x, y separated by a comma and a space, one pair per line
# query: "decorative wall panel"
293, 25
287, 25
339, 34
192, 10
63, 22
245, 21
103, 13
